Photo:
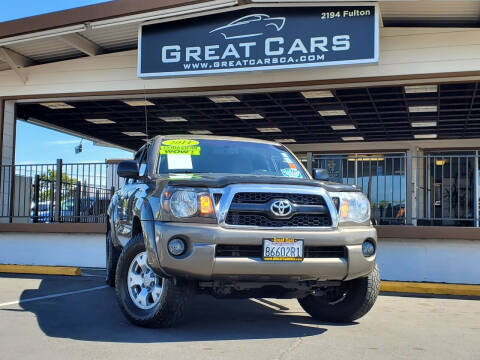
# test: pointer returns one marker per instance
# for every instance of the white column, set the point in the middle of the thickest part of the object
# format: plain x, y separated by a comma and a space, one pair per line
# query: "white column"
8, 140
417, 181
476, 190
8, 158
410, 173
309, 163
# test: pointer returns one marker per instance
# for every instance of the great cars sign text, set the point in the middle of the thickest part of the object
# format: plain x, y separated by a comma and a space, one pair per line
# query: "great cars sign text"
259, 39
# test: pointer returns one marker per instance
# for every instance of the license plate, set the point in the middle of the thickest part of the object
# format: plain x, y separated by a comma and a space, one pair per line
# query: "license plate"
282, 249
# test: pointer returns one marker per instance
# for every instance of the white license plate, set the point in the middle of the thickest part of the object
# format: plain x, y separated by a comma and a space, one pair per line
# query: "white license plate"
282, 249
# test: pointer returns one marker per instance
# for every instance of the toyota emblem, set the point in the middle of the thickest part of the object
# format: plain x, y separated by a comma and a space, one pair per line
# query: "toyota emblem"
281, 208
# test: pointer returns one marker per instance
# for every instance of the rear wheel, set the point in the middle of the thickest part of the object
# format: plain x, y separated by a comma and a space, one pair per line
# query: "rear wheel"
346, 303
112, 254
144, 297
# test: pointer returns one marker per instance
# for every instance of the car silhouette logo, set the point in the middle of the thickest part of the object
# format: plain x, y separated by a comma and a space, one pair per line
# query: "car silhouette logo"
250, 26
281, 208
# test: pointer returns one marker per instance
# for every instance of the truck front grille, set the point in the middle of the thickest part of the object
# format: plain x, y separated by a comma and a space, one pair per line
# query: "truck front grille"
253, 209
302, 220
258, 198
255, 251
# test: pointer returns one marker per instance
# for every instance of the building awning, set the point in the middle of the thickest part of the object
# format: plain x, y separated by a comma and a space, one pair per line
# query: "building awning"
113, 26
388, 113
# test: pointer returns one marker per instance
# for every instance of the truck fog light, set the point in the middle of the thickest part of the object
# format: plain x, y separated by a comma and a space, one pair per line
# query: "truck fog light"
176, 247
368, 248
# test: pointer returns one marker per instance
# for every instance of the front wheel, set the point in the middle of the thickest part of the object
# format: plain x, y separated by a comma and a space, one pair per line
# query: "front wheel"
145, 298
346, 303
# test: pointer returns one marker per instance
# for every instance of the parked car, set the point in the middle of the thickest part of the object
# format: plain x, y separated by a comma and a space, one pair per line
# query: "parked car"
90, 209
236, 218
43, 212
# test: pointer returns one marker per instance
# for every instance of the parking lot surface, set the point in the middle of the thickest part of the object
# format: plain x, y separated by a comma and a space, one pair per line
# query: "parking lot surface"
55, 317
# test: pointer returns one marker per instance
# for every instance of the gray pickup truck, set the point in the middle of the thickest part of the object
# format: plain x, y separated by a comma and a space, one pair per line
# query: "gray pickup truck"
236, 218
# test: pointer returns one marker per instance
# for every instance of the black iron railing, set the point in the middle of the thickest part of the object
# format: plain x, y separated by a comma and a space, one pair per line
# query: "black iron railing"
439, 189
71, 192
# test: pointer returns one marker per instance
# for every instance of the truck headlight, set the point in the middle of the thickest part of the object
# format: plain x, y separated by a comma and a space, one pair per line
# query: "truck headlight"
352, 207
184, 203
187, 203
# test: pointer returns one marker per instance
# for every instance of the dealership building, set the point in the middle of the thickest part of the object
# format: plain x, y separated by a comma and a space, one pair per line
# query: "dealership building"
384, 95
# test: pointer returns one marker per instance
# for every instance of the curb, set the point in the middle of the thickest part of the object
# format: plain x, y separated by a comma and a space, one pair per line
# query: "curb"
386, 286
430, 288
40, 270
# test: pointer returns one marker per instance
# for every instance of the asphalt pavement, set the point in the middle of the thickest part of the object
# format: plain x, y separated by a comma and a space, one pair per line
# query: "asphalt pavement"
60, 317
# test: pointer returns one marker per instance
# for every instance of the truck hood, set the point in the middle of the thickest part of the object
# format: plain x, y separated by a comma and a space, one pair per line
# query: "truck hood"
223, 180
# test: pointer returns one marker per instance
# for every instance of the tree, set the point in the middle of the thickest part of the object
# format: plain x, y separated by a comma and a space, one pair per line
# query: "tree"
68, 184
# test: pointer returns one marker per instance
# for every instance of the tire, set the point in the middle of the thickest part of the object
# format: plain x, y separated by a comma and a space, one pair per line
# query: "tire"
172, 302
357, 298
112, 254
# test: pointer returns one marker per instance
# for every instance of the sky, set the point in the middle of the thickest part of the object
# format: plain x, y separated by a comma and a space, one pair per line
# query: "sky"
35, 144
11, 10
38, 145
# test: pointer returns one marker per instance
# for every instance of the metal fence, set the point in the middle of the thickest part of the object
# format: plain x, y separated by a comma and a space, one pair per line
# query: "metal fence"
447, 189
443, 188
382, 179
71, 192
434, 189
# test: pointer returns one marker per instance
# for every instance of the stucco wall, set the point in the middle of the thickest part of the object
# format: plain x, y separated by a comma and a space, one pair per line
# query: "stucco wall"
428, 260
72, 249
404, 52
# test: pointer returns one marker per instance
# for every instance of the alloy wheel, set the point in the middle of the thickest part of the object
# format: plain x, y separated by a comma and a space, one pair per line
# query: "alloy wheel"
144, 286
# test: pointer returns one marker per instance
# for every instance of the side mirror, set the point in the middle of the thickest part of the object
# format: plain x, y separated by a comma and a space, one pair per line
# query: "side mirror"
128, 169
320, 174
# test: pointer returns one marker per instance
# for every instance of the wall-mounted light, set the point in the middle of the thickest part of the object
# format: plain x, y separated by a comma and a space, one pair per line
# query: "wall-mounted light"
79, 148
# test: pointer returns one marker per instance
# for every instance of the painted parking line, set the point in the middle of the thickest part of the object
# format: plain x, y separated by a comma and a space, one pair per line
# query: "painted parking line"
53, 296
269, 304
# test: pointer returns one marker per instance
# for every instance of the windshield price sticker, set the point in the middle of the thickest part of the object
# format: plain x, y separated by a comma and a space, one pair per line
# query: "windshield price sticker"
180, 150
180, 142
180, 147
282, 249
179, 161
293, 173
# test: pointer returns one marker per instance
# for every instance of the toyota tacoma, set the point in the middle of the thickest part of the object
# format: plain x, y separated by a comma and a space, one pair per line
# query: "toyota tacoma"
236, 218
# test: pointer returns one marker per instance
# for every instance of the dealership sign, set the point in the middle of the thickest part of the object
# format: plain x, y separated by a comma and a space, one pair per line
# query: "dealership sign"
259, 39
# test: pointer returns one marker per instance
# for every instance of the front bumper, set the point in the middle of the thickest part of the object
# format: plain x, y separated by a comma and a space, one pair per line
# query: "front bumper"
199, 262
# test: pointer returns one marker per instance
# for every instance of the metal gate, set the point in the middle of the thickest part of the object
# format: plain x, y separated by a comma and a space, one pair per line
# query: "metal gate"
448, 185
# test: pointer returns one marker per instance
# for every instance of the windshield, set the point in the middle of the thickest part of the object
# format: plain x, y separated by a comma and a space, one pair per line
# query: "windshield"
229, 157
247, 19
